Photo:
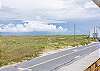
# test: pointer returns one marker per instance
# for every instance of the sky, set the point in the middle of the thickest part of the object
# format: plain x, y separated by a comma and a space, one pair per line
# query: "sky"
48, 16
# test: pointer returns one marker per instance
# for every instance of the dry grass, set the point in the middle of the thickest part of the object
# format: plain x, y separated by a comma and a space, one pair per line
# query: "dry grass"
17, 48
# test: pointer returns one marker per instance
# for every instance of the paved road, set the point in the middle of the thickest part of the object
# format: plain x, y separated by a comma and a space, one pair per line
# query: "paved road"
53, 61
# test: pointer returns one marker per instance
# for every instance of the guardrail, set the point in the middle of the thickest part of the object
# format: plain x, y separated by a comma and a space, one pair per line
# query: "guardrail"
95, 66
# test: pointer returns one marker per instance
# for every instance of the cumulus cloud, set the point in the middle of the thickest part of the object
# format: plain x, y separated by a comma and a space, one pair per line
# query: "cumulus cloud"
59, 9
31, 26
90, 4
34, 4
0, 5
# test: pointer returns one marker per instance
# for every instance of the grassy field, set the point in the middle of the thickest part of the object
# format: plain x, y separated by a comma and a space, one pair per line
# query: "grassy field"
18, 48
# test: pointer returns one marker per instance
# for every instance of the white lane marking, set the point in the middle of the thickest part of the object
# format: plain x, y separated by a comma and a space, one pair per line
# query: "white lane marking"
77, 56
46, 61
51, 60
22, 69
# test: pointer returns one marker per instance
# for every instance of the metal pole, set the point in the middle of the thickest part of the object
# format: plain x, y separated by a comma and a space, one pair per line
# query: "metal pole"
94, 32
89, 37
74, 34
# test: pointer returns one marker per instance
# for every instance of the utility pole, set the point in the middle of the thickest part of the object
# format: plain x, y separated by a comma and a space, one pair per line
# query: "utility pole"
95, 33
74, 34
94, 29
89, 37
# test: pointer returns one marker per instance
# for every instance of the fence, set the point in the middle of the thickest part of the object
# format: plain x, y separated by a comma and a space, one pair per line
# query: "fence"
95, 66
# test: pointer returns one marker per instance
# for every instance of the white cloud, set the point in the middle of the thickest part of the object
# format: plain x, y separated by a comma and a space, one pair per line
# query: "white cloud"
90, 4
0, 4
59, 9
34, 4
31, 26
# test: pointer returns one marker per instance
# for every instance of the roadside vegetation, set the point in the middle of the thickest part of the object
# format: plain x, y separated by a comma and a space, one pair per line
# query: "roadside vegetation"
18, 48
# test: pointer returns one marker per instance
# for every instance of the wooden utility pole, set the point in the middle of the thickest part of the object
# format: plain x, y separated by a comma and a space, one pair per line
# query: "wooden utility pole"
74, 34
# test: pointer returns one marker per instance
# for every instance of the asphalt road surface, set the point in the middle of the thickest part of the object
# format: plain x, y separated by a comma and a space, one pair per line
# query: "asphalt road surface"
54, 61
